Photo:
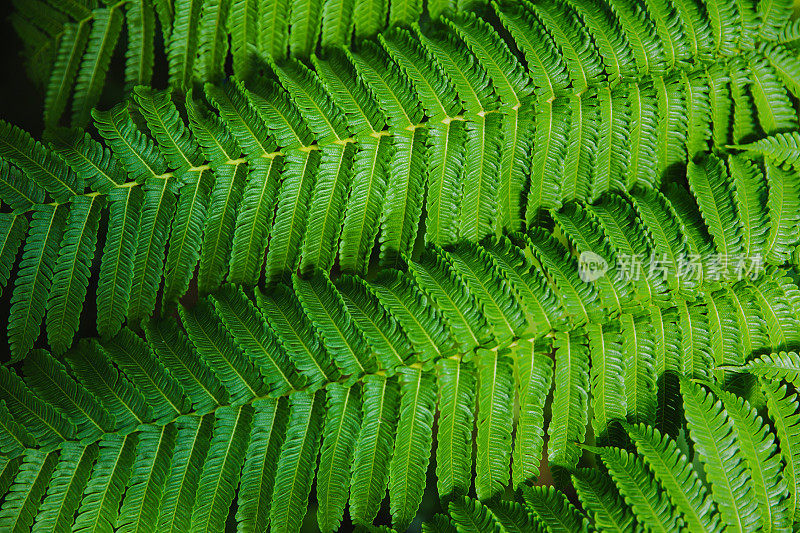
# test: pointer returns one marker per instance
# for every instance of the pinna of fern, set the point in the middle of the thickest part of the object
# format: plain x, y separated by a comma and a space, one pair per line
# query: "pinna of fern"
652, 483
317, 163
351, 373
68, 46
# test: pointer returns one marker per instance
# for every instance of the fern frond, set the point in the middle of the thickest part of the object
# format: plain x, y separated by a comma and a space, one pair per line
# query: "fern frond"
714, 435
456, 381
570, 400
412, 448
69, 478
676, 474
782, 406
106, 27
216, 490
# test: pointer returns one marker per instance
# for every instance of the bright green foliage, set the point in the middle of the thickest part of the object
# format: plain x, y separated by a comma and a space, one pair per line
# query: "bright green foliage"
371, 427
656, 487
402, 244
433, 130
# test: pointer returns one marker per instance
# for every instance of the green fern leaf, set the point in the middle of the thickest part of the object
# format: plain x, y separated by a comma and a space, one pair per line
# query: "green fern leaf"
495, 404
534, 376
670, 244
404, 193
71, 271
775, 111
16, 191
218, 482
460, 308
244, 31
725, 345
598, 496
349, 92
273, 27
260, 464
341, 337
14, 438
774, 367
158, 209
553, 510
183, 250
641, 492
139, 56
322, 115
116, 266
71, 47
92, 368
49, 379
254, 220
782, 406
711, 186
191, 448
364, 206
149, 471
217, 348
183, 43
296, 334
212, 40
92, 162
13, 228
456, 382
713, 433
101, 498
373, 452
607, 377
337, 22
380, 328
433, 87
25, 495
421, 323
749, 190
304, 21
342, 421
41, 166
481, 175
578, 297
782, 207
498, 300
570, 400
106, 27
762, 458
325, 208
552, 135
412, 448
39, 418
676, 474
543, 308
369, 17
39, 257
299, 176
297, 461
65, 487
162, 391
194, 376
471, 516
547, 67
174, 139
580, 155
256, 340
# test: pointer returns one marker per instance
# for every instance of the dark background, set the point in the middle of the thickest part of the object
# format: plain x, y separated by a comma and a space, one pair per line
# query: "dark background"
20, 101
